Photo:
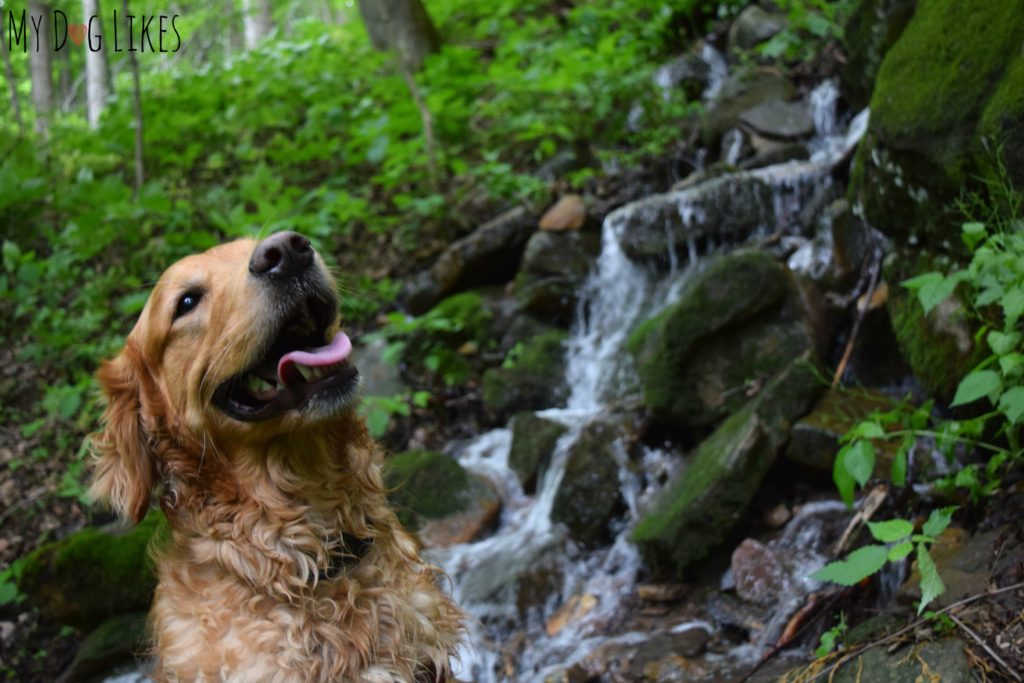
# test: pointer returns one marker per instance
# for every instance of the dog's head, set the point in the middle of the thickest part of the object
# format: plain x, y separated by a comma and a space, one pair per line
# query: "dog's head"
237, 345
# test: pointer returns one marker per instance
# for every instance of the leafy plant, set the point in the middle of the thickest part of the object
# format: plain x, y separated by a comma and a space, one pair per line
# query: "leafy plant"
378, 410
831, 637
809, 24
896, 541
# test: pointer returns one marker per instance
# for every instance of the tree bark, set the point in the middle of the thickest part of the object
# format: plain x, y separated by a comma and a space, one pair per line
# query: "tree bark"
64, 81
96, 88
257, 21
402, 26
40, 51
140, 175
12, 84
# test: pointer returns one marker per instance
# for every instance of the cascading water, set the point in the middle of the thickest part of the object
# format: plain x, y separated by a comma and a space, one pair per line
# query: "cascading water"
487, 574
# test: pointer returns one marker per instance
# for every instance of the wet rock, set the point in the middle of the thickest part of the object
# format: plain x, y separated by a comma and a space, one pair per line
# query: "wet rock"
533, 441
758, 573
873, 27
752, 27
741, 320
589, 497
814, 440
477, 520
852, 241
743, 90
939, 347
568, 213
113, 643
531, 378
426, 485
922, 147
703, 502
555, 265
964, 562
778, 154
778, 119
645, 660
94, 574
734, 148
489, 255
689, 72
941, 660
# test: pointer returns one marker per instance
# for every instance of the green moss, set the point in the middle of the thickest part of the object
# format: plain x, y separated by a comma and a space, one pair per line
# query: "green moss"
589, 496
532, 376
1002, 125
469, 311
425, 485
533, 441
92, 575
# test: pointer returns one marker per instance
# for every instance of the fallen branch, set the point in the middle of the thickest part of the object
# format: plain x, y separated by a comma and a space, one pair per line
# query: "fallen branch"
862, 309
981, 641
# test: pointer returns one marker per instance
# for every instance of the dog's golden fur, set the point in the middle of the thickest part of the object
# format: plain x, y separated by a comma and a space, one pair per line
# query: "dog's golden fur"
250, 587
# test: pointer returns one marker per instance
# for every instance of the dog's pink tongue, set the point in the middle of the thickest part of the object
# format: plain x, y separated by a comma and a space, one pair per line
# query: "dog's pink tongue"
335, 352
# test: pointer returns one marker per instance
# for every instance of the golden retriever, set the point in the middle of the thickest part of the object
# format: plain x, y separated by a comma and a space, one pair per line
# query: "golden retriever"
234, 398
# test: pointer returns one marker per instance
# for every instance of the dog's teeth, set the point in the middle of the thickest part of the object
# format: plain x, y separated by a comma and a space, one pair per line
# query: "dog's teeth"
252, 382
306, 371
264, 385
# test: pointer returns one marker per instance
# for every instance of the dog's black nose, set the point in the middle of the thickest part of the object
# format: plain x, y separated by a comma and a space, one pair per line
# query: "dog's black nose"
283, 254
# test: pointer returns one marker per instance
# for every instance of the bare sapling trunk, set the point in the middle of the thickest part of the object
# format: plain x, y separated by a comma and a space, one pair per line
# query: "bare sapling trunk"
40, 51
96, 87
140, 175
257, 21
12, 85
402, 26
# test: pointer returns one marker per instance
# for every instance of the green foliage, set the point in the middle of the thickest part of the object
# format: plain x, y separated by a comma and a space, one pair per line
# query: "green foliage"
811, 23
831, 638
896, 540
378, 410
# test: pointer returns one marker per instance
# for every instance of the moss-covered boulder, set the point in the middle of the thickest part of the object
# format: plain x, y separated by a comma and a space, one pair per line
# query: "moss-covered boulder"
532, 376
947, 93
533, 441
589, 497
939, 347
872, 28
740, 321
94, 574
426, 485
701, 504
115, 642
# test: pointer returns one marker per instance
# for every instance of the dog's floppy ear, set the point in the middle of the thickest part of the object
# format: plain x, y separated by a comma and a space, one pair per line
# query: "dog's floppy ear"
124, 467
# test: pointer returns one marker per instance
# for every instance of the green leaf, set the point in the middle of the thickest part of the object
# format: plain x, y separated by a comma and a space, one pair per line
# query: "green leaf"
130, 304
931, 584
1011, 364
1003, 343
972, 234
938, 520
844, 482
860, 461
898, 473
898, 552
1011, 403
857, 566
868, 429
891, 531
977, 385
932, 288
392, 353
1013, 304
377, 420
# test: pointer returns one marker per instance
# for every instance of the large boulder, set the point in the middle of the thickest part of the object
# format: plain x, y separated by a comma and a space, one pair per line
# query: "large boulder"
532, 377
702, 503
489, 255
740, 321
533, 442
94, 574
589, 497
872, 28
426, 485
753, 26
948, 93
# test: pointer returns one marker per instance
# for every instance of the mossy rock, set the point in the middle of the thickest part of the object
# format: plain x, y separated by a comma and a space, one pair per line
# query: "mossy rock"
94, 574
939, 347
533, 441
589, 497
952, 79
426, 485
115, 642
701, 504
873, 28
738, 323
532, 376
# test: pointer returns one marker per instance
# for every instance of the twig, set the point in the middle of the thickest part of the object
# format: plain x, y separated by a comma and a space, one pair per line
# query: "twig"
871, 504
876, 270
910, 627
981, 641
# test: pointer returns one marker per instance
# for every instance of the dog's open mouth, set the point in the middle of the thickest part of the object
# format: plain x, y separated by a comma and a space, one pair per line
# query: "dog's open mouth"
298, 366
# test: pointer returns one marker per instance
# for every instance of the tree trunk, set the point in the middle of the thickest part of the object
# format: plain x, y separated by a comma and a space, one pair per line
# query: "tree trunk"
140, 175
256, 17
403, 26
12, 84
64, 82
40, 50
95, 63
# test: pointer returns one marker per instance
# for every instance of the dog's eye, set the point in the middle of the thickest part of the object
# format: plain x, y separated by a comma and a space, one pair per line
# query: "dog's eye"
187, 302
